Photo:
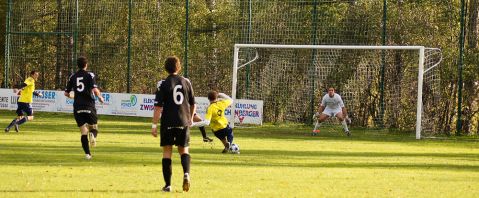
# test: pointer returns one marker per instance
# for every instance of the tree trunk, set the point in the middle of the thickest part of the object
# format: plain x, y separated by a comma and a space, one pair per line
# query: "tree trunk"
213, 61
58, 63
472, 29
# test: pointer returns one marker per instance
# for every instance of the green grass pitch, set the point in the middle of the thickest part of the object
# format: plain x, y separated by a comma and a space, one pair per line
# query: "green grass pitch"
46, 160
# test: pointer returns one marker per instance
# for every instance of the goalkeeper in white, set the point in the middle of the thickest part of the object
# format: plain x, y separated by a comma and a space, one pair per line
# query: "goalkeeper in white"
332, 105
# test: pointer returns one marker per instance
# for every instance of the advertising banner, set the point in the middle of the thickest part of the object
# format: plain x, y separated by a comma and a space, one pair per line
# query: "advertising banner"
140, 105
8, 99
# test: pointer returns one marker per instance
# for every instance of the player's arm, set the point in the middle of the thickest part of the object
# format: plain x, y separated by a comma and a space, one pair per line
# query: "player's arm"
69, 88
345, 111
95, 89
321, 107
343, 107
97, 93
28, 82
223, 96
36, 93
191, 101
158, 110
192, 111
67, 94
225, 100
21, 86
320, 110
156, 116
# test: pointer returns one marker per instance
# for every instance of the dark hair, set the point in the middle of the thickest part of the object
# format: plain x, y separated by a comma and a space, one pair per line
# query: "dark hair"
81, 62
212, 95
33, 72
172, 64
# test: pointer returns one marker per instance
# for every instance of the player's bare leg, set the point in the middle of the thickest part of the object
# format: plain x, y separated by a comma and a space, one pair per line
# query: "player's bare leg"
197, 118
342, 119
322, 117
93, 134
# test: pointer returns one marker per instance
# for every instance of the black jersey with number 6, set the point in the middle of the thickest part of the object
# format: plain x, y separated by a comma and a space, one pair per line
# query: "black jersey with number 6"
82, 83
175, 95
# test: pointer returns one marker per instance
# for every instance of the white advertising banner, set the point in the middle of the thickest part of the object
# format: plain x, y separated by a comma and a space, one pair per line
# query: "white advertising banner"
249, 112
140, 105
8, 99
47, 102
246, 111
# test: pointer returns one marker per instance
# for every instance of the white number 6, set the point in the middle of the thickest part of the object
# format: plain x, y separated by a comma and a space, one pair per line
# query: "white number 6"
178, 95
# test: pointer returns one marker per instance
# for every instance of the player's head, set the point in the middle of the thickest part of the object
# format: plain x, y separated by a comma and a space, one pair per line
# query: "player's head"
34, 74
331, 91
82, 62
212, 96
172, 64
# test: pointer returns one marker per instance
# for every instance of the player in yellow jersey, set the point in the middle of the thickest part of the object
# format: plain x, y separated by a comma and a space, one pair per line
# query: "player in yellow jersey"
216, 119
24, 103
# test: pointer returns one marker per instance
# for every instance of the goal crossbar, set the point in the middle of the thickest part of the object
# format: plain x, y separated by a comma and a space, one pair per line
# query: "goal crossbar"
420, 49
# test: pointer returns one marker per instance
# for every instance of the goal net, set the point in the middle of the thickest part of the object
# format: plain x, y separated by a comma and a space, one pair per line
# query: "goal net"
394, 87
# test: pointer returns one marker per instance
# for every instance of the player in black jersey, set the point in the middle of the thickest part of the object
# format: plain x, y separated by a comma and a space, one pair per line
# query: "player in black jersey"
175, 105
83, 84
196, 118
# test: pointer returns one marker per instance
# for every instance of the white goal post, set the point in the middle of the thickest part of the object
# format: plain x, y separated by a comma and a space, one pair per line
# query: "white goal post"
239, 64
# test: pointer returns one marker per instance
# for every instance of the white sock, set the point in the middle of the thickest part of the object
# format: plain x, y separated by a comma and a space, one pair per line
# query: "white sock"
345, 126
316, 126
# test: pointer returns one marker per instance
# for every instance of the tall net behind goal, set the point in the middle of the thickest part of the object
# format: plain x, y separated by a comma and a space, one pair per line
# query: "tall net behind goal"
378, 84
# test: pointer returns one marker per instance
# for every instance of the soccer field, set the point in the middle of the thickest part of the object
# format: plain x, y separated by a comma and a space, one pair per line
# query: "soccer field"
46, 159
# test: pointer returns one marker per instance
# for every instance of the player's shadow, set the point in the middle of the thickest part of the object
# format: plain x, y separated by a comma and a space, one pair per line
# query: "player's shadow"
118, 156
303, 133
315, 159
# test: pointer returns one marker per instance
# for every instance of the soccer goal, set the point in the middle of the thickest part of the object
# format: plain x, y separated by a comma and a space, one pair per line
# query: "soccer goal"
394, 87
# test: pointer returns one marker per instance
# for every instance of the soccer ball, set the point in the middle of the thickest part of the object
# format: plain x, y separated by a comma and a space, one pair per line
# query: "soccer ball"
235, 149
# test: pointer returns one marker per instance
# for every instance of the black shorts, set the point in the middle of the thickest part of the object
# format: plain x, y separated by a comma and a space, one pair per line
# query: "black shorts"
24, 108
222, 133
175, 136
85, 115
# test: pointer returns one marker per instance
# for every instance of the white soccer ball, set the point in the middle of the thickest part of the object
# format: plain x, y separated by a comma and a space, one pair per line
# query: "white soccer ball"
235, 149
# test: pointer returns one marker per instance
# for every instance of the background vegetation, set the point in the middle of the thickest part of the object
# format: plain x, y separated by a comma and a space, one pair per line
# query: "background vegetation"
126, 41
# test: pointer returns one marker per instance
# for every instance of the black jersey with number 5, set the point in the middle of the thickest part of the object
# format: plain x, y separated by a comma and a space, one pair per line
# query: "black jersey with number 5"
82, 83
175, 95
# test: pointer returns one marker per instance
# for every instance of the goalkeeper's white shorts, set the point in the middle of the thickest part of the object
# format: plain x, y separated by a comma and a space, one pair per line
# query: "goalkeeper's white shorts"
332, 112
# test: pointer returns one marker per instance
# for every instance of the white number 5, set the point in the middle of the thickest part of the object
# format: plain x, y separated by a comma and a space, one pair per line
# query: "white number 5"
178, 95
80, 85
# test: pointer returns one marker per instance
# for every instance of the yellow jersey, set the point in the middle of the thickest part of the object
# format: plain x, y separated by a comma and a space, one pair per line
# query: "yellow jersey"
216, 114
27, 93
